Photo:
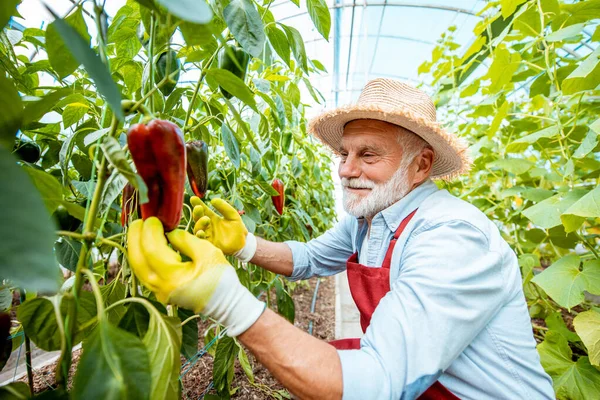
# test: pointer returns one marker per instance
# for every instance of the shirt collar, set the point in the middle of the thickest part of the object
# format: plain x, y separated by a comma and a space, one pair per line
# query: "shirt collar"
394, 214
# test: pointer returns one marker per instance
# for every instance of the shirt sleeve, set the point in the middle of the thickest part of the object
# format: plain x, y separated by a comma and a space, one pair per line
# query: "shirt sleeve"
325, 255
449, 288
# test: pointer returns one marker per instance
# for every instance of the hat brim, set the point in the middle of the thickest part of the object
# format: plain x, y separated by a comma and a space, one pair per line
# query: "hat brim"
451, 158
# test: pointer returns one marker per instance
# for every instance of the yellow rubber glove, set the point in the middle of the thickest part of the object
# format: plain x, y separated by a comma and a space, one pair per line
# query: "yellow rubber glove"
228, 232
208, 284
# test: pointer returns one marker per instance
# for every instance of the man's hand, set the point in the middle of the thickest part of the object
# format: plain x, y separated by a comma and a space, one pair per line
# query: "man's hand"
207, 284
228, 232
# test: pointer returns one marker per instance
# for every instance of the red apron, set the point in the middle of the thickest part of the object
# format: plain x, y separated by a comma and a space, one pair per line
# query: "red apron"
368, 286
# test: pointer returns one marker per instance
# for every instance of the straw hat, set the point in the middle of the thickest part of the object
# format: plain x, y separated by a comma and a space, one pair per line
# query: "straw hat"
400, 104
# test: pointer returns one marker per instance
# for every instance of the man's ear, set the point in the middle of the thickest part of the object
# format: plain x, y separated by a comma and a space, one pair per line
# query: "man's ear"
424, 162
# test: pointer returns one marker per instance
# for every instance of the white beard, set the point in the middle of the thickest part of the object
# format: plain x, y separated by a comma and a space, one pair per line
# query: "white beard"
381, 196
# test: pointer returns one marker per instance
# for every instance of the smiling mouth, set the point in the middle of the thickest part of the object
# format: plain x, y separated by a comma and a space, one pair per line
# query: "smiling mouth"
358, 189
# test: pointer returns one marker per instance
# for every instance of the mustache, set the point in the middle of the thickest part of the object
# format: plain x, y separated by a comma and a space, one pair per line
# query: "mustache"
357, 183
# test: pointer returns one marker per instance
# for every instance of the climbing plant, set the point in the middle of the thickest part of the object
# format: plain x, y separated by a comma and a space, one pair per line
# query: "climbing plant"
67, 101
525, 96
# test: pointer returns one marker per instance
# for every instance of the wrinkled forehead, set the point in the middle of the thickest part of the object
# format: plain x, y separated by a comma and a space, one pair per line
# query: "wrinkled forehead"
369, 133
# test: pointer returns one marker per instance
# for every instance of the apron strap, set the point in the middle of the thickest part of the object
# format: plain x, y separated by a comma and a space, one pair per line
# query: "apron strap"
388, 255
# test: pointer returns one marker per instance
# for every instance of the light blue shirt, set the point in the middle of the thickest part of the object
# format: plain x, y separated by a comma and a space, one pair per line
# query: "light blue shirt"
455, 312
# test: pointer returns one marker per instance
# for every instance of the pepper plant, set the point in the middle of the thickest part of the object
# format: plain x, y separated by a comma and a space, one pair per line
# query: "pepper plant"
525, 96
63, 207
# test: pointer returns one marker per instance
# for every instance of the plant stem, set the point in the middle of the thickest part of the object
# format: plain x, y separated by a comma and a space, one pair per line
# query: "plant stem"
74, 235
197, 88
151, 56
64, 363
96, 291
27, 353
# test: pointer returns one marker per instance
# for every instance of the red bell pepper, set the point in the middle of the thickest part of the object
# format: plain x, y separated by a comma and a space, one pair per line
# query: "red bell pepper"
278, 201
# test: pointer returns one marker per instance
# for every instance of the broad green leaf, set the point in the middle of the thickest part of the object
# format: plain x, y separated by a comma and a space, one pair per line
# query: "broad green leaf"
12, 111
112, 293
224, 364
67, 252
297, 45
116, 156
189, 331
231, 145
6, 296
114, 365
94, 66
15, 390
243, 20
58, 53
285, 303
8, 8
196, 34
587, 325
508, 7
196, 11
132, 75
267, 188
35, 110
319, 14
581, 12
38, 317
571, 380
48, 186
135, 320
73, 113
94, 136
503, 67
233, 85
546, 214
585, 207
595, 126
556, 323
565, 282
243, 358
22, 212
586, 76
163, 341
565, 33
521, 144
498, 118
280, 42
587, 145
517, 166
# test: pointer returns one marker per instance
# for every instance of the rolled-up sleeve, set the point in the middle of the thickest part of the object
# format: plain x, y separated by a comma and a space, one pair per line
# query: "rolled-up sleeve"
325, 255
450, 286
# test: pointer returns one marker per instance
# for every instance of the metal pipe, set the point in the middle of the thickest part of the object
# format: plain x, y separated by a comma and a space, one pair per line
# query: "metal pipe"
350, 45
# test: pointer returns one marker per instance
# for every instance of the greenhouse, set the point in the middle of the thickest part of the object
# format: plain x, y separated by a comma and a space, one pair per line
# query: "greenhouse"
285, 199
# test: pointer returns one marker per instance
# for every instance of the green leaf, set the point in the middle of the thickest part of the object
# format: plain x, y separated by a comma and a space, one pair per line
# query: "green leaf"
565, 33
34, 111
196, 11
94, 66
243, 357
233, 85
297, 45
59, 55
586, 76
189, 341
267, 188
319, 14
223, 364
114, 365
231, 145
6, 297
116, 157
586, 324
12, 112
546, 214
112, 293
581, 12
132, 75
280, 42
48, 186
498, 118
565, 282
587, 145
8, 8
585, 207
73, 113
38, 317
22, 212
521, 144
135, 320
509, 7
503, 67
15, 390
571, 380
67, 252
245, 24
517, 166
285, 303
163, 341
555, 322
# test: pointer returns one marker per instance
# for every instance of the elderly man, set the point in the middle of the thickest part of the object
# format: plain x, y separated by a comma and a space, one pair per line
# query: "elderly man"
438, 289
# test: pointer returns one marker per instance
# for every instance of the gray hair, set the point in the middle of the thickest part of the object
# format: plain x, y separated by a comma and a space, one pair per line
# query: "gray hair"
412, 144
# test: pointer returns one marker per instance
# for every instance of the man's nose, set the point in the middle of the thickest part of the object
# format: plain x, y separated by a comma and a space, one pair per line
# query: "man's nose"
349, 168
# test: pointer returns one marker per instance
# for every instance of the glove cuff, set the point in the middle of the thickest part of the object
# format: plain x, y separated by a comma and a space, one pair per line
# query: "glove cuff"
246, 253
233, 305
